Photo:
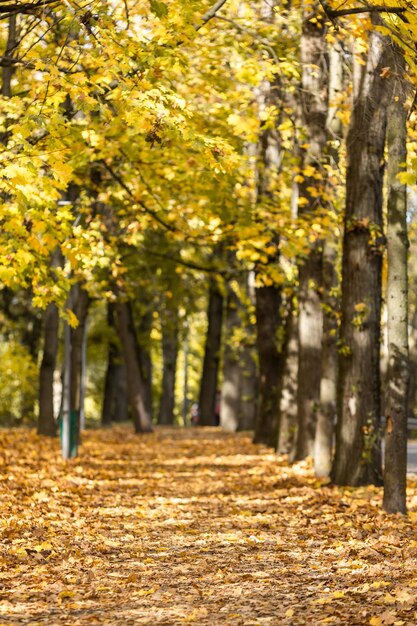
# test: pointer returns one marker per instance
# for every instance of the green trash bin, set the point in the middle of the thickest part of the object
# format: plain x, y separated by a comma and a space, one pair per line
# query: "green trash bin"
74, 433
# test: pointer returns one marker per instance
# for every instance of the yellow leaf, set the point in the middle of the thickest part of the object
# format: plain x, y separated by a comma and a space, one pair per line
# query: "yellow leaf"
43, 546
63, 595
146, 592
375, 621
132, 578
289, 612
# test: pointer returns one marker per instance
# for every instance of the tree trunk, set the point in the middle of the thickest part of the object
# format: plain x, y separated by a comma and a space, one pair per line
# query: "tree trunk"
80, 301
314, 112
110, 382
209, 378
397, 297
230, 395
249, 372
323, 445
288, 404
271, 364
310, 332
358, 449
143, 347
46, 419
169, 355
135, 384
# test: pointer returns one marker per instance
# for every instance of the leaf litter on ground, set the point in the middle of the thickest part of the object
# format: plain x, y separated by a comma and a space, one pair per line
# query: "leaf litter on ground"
193, 526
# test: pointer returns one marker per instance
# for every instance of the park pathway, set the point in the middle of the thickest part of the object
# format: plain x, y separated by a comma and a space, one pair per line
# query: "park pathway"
193, 527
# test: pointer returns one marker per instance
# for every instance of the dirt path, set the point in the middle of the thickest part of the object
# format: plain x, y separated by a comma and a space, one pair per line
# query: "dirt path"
193, 527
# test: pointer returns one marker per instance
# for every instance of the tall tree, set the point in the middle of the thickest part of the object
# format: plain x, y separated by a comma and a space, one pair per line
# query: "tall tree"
397, 295
314, 115
358, 449
268, 296
210, 373
170, 344
231, 385
323, 445
131, 355
271, 363
46, 419
80, 300
288, 403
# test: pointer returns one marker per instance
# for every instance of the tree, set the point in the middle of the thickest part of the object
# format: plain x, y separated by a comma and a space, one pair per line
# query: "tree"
209, 376
397, 295
326, 414
131, 355
46, 419
358, 450
170, 344
314, 115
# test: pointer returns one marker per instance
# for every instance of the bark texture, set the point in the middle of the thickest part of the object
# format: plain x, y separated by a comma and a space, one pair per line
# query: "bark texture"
131, 354
358, 449
169, 356
108, 413
323, 445
271, 364
46, 419
397, 297
314, 112
143, 350
230, 395
209, 378
80, 301
288, 404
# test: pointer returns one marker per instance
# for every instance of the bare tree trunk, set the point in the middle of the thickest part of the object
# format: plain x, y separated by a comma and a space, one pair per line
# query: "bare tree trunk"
249, 371
268, 297
288, 404
169, 355
323, 445
209, 378
230, 395
271, 364
314, 112
80, 308
397, 297
358, 449
110, 382
46, 419
310, 332
135, 384
143, 345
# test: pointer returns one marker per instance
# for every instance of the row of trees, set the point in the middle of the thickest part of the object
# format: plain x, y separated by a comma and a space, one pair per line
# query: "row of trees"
160, 155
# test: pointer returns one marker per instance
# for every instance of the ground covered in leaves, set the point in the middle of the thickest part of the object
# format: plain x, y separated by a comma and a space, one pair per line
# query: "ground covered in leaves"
193, 526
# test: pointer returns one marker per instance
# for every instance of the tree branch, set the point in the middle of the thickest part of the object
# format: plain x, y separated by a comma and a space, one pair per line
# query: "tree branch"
333, 14
26, 7
147, 210
210, 13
